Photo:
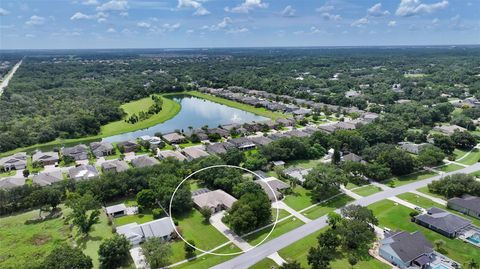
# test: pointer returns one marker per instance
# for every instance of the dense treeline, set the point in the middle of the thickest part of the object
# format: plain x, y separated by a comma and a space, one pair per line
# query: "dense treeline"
53, 95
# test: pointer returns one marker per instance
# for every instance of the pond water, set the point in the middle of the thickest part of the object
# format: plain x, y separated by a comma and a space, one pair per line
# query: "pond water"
195, 112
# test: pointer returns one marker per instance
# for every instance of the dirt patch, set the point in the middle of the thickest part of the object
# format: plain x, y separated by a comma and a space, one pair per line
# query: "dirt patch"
40, 239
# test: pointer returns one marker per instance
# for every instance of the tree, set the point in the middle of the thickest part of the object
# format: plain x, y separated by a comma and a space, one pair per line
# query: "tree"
463, 140
66, 257
233, 156
444, 142
146, 198
377, 171
336, 156
46, 196
324, 180
334, 219
399, 161
251, 211
352, 260
291, 265
431, 156
189, 250
114, 252
255, 161
455, 185
439, 244
472, 264
320, 257
26, 173
80, 206
156, 252
206, 213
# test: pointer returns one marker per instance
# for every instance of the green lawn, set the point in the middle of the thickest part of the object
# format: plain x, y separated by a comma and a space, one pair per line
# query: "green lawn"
139, 218
327, 207
427, 203
471, 158
255, 110
458, 153
8, 173
426, 191
188, 144
304, 163
209, 260
406, 179
194, 228
351, 185
281, 228
367, 190
397, 217
298, 251
449, 168
299, 199
265, 264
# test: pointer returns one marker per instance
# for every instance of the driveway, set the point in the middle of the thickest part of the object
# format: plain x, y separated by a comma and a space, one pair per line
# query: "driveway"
138, 258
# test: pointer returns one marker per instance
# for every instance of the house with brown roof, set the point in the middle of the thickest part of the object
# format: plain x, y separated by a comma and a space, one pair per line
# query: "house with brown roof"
114, 166
128, 146
174, 138
193, 153
216, 200
78, 152
144, 161
101, 148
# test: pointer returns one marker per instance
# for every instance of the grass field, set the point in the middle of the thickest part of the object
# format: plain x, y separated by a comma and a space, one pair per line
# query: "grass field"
458, 153
255, 110
281, 228
169, 110
426, 191
471, 158
194, 228
299, 199
406, 179
449, 168
140, 218
304, 163
327, 207
367, 190
7, 173
265, 264
397, 217
209, 260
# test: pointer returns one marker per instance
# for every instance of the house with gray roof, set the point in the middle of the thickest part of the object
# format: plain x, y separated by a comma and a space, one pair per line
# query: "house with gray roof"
45, 158
78, 152
412, 147
275, 184
116, 210
442, 222
128, 146
11, 182
83, 172
114, 166
327, 128
193, 153
242, 143
216, 200
302, 111
47, 178
137, 233
17, 161
406, 250
297, 173
171, 154
467, 204
449, 129
144, 161
297, 133
219, 148
352, 157
101, 148
174, 138
221, 132
285, 122
260, 140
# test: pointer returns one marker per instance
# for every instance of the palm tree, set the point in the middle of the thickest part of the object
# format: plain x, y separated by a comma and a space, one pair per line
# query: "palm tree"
472, 264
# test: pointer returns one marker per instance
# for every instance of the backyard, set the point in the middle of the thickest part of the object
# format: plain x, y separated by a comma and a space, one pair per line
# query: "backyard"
299, 199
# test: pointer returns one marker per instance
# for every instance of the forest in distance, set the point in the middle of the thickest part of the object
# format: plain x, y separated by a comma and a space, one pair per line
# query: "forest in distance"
71, 94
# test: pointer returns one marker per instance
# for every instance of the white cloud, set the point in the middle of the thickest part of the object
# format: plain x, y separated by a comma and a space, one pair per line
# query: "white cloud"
325, 8
227, 21
171, 27
331, 17
90, 2
111, 30
3, 12
315, 30
376, 11
80, 16
288, 11
392, 23
143, 24
360, 22
414, 7
123, 14
35, 20
114, 5
237, 31
199, 9
247, 6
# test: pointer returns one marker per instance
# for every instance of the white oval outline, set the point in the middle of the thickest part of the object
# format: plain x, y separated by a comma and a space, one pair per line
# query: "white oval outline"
211, 252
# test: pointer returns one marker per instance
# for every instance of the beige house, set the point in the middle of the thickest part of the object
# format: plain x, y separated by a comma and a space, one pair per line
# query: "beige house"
216, 200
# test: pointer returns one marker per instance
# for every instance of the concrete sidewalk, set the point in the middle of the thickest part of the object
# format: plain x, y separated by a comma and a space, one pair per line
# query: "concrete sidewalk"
282, 205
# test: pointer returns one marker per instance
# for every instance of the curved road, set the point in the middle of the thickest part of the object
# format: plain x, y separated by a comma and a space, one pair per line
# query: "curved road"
257, 254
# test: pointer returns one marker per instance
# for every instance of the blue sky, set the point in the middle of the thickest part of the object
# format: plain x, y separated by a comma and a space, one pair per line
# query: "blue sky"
235, 23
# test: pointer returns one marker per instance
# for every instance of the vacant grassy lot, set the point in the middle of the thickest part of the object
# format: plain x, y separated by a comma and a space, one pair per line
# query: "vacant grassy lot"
458, 153
255, 110
281, 228
471, 158
426, 191
194, 228
299, 199
327, 207
265, 264
397, 217
208, 260
406, 179
449, 168
367, 190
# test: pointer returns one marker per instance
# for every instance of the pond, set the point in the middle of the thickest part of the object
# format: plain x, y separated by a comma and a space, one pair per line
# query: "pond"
195, 112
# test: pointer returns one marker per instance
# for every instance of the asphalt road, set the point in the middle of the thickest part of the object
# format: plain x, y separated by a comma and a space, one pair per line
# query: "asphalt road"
8, 77
257, 254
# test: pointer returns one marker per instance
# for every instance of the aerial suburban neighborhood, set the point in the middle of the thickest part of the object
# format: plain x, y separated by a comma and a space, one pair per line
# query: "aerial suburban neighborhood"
239, 134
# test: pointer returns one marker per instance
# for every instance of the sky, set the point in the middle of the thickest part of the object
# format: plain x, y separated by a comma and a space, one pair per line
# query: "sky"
72, 24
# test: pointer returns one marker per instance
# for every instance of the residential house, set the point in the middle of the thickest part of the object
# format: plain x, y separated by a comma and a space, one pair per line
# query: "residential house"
193, 153
47, 178
275, 184
297, 133
406, 250
137, 233
219, 148
78, 152
285, 122
144, 161
345, 125
114, 166
277, 136
260, 140
352, 93
242, 143
128, 146
174, 138
352, 157
327, 128
12, 182
412, 147
116, 210
153, 140
45, 158
216, 200
467, 204
449, 129
370, 117
397, 87
83, 172
17, 161
297, 173
443, 222
221, 132
171, 154
101, 148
